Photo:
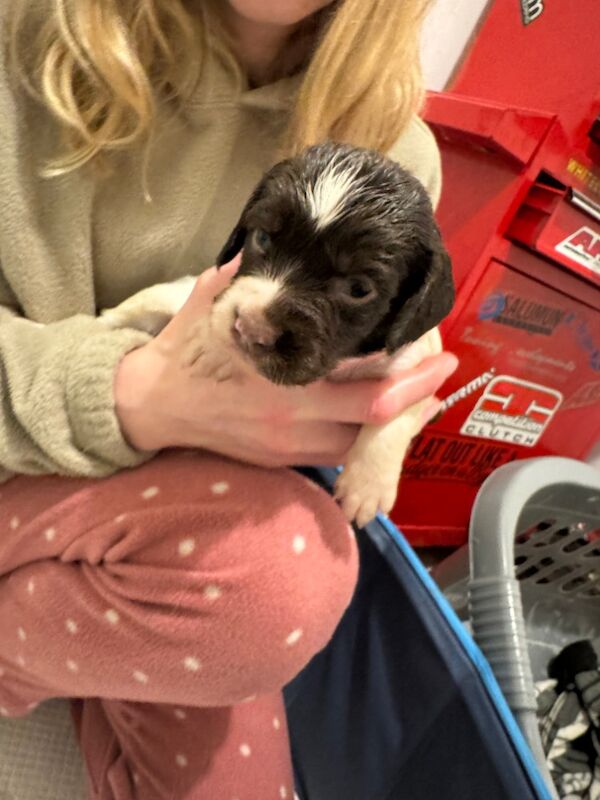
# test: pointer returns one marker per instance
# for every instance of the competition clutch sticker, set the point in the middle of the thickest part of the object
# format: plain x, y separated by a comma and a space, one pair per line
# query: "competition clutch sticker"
513, 411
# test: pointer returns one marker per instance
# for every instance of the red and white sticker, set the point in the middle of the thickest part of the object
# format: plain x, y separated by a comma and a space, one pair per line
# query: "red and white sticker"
513, 411
583, 247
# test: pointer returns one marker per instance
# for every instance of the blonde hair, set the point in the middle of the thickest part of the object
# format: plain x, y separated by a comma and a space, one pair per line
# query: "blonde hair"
102, 68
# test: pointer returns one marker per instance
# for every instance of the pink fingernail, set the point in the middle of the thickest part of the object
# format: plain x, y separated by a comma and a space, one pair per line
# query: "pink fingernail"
432, 409
452, 361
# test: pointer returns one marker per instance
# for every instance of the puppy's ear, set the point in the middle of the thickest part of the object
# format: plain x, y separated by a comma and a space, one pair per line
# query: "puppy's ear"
430, 299
237, 237
233, 245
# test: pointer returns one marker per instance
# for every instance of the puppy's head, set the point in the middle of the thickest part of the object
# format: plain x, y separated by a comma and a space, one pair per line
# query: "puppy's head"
341, 257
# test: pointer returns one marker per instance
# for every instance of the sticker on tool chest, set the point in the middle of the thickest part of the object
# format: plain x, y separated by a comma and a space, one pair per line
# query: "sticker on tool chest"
512, 410
505, 308
452, 458
468, 389
586, 395
583, 247
531, 10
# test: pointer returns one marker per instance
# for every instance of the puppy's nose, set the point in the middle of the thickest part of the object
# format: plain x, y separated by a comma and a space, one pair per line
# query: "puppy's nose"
255, 329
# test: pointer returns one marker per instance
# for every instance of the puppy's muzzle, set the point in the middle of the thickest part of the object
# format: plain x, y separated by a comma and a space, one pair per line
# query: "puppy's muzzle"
254, 330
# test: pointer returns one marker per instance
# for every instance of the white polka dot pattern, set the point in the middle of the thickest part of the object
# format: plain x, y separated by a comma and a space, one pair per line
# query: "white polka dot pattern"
294, 637
186, 547
112, 616
191, 664
212, 592
211, 588
299, 544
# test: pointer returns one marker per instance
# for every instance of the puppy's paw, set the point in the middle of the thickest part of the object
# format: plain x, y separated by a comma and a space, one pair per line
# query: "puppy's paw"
363, 490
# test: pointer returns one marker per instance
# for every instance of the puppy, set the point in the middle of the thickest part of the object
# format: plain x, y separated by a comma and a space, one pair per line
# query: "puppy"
343, 275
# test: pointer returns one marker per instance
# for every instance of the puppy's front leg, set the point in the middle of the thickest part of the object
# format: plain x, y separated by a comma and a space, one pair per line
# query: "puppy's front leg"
369, 482
150, 309
205, 349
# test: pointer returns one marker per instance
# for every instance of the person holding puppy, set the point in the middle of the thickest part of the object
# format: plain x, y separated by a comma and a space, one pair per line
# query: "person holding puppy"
158, 561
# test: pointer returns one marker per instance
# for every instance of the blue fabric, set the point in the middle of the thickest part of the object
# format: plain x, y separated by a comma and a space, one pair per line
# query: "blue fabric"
401, 705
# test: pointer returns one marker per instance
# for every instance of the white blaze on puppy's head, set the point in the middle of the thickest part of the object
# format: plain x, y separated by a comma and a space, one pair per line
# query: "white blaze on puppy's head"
329, 194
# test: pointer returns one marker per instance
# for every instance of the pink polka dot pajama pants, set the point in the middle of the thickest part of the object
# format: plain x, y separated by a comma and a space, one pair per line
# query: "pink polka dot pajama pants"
171, 602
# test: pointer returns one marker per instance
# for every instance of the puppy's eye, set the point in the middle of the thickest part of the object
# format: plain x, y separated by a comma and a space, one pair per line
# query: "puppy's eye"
262, 239
359, 289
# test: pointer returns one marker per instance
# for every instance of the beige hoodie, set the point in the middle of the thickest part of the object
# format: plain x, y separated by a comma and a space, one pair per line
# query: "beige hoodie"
74, 244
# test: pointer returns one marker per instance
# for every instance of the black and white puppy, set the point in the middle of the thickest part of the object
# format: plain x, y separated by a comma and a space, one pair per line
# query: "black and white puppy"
342, 260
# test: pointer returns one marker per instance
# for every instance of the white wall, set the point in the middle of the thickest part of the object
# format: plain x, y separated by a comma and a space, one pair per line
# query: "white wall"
446, 32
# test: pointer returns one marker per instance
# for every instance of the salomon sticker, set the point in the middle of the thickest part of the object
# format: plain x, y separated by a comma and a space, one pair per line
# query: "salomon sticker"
583, 247
513, 411
529, 315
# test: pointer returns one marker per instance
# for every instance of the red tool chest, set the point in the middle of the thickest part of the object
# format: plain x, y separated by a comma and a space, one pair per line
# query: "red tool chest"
519, 134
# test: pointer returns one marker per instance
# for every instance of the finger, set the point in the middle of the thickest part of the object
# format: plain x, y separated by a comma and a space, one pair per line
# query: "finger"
321, 459
325, 438
431, 410
316, 459
301, 444
208, 286
321, 443
424, 381
376, 401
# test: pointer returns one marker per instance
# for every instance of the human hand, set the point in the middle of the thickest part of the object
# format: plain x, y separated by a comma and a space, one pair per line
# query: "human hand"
161, 401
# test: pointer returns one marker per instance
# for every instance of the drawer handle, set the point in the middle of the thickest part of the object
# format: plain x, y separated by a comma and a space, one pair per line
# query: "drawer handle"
586, 204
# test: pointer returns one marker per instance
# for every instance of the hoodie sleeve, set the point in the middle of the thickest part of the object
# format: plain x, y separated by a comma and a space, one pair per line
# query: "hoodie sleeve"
56, 396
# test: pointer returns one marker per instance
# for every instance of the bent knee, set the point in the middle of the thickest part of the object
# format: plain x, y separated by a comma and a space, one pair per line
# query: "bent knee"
279, 565
256, 565
292, 576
